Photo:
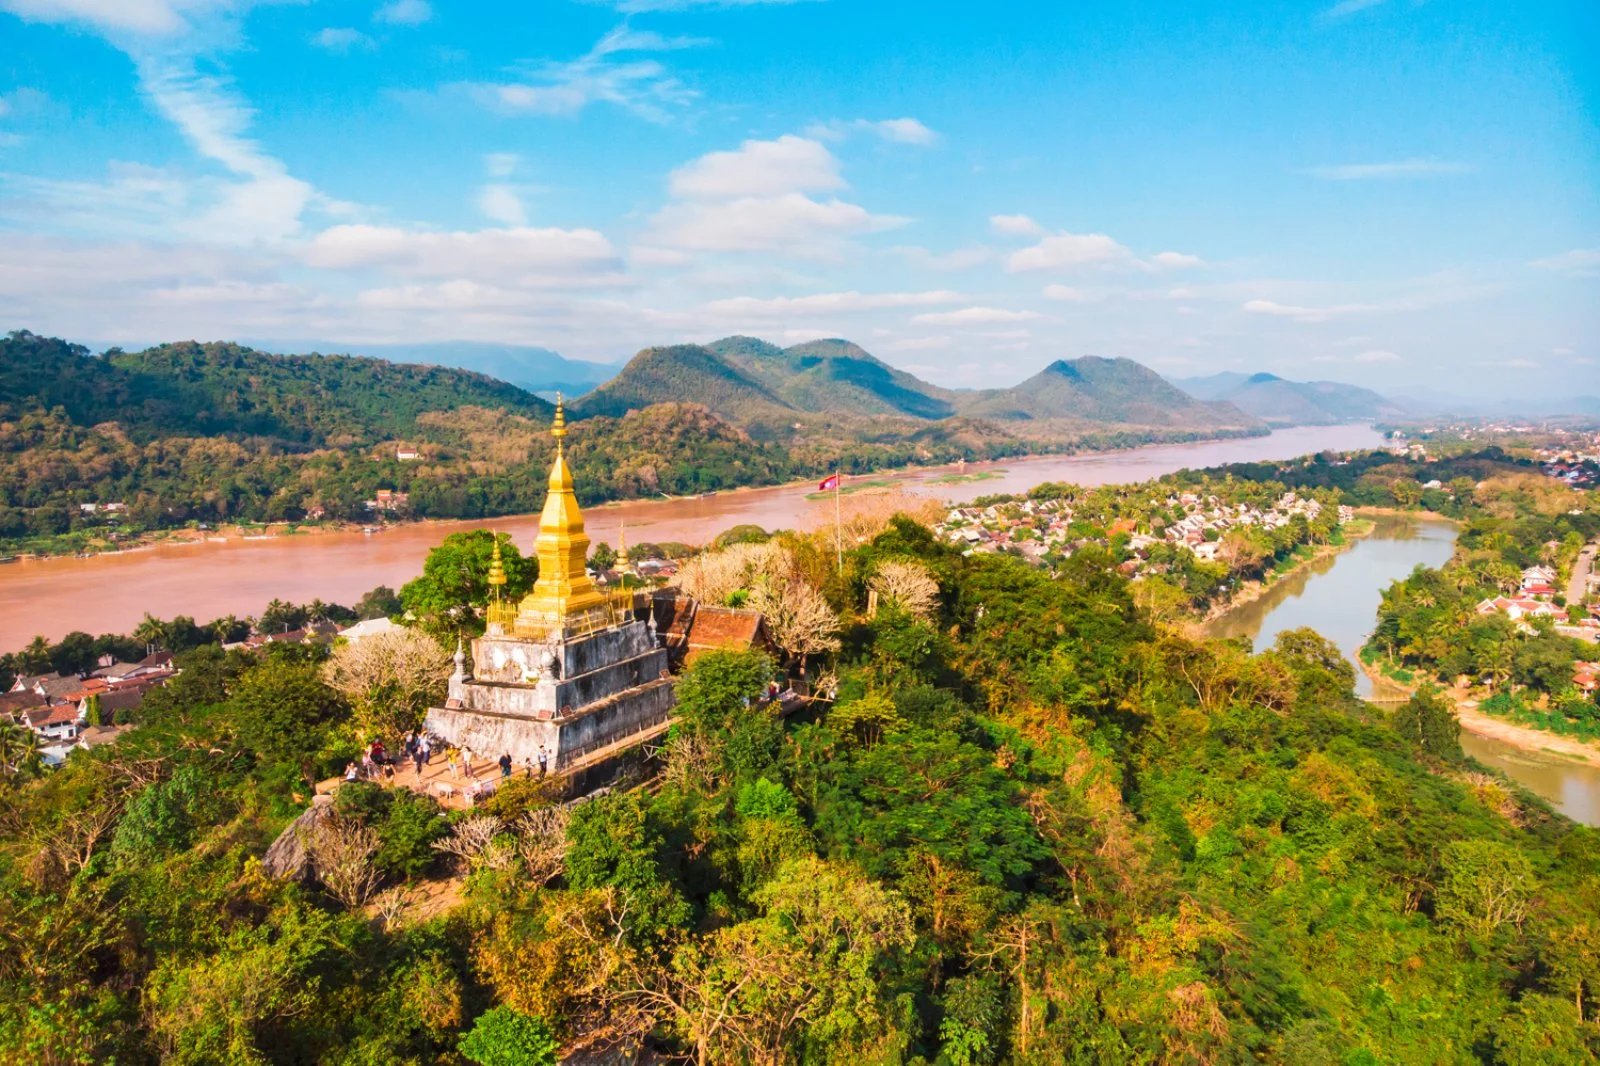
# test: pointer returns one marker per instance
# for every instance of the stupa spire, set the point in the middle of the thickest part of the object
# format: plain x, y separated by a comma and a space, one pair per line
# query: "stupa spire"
564, 598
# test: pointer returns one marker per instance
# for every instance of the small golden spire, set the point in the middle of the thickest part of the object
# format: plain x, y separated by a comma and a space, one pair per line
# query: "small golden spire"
622, 547
497, 570
559, 429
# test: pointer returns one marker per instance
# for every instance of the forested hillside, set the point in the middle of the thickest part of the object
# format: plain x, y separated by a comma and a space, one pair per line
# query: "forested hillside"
834, 376
194, 433
190, 389
1035, 828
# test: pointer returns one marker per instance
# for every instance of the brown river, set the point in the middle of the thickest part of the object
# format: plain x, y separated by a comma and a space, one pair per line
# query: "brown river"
110, 593
1338, 596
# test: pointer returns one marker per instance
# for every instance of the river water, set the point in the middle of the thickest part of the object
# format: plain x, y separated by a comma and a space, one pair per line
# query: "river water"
111, 593
1338, 596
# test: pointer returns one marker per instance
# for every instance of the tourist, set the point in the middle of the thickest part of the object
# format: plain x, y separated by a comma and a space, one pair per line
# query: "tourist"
466, 764
366, 766
544, 760
419, 756
450, 756
505, 765
351, 772
527, 764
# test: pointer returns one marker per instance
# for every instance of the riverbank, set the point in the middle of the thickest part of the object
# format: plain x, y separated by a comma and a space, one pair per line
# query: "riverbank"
1251, 591
1474, 721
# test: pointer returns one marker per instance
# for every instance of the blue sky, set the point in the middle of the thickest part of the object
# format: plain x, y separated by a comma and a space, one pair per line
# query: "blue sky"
1387, 192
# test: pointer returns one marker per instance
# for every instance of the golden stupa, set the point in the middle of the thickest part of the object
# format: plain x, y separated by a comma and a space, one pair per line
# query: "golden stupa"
564, 600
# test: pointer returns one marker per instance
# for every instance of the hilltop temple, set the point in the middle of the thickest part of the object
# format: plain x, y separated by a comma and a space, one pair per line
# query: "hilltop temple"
568, 670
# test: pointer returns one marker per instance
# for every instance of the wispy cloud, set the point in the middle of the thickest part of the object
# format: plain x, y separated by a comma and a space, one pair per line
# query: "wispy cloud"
1015, 226
1088, 251
1346, 8
897, 130
1578, 261
825, 303
643, 86
1405, 168
404, 13
974, 316
1376, 355
342, 39
1302, 314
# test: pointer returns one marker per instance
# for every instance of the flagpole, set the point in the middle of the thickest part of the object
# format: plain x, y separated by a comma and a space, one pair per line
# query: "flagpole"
838, 522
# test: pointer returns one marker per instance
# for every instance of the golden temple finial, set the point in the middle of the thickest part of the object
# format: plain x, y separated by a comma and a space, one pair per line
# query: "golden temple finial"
497, 570
622, 547
564, 597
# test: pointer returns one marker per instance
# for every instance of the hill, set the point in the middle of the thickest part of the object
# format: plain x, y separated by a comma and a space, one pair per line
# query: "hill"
538, 370
684, 373
220, 389
834, 377
1098, 390
1278, 401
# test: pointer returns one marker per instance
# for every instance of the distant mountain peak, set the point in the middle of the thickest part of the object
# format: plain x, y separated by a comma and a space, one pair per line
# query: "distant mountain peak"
1261, 378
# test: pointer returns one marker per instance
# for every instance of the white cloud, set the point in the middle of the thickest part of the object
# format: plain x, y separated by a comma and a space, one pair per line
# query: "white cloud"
758, 168
956, 259
1561, 351
753, 198
827, 303
404, 13
501, 164
1520, 364
1067, 294
154, 17
1091, 251
1407, 168
1071, 250
792, 223
1302, 314
499, 203
973, 316
341, 39
897, 130
1376, 355
1015, 225
1579, 260
512, 256
643, 86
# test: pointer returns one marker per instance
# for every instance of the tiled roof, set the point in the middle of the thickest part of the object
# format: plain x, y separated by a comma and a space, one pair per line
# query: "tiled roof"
726, 627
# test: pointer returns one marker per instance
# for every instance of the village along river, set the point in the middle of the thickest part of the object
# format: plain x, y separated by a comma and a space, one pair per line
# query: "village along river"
1338, 596
110, 593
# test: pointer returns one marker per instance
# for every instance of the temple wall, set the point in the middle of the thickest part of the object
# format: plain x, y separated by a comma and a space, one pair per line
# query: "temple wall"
490, 734
518, 661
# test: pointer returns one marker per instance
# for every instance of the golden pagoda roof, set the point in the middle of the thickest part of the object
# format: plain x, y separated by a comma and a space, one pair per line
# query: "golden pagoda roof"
564, 599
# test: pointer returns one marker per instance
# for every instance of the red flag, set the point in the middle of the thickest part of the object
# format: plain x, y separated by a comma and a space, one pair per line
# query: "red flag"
829, 483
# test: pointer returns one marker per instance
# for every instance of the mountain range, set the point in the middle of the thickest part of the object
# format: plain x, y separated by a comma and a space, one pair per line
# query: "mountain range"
770, 390
538, 370
1280, 402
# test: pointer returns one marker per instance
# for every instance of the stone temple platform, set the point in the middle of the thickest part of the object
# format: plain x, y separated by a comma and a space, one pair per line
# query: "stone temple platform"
567, 670
568, 695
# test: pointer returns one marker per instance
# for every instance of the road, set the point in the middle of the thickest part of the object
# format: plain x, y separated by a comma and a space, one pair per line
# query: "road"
1577, 588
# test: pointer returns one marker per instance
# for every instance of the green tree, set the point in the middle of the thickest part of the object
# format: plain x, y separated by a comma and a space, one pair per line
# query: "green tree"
381, 602
504, 1037
449, 598
1429, 722
283, 711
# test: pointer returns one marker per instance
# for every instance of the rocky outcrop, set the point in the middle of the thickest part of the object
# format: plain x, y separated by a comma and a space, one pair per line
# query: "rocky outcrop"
286, 859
